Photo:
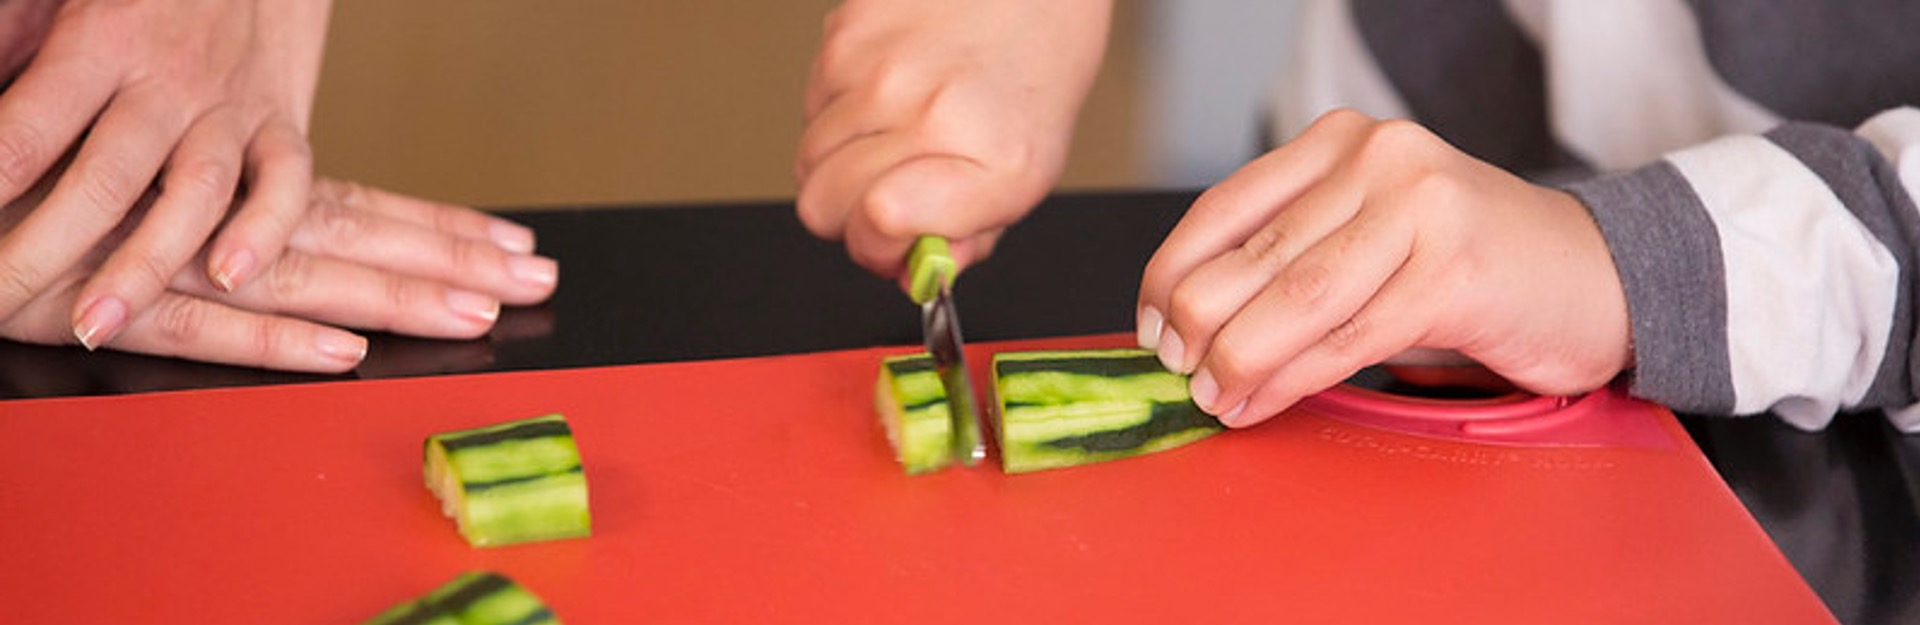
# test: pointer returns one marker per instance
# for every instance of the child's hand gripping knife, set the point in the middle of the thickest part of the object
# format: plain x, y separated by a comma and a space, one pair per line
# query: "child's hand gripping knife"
945, 117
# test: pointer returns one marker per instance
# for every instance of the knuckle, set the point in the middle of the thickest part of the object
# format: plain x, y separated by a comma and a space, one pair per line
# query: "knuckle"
267, 341
464, 254
109, 186
1436, 189
21, 153
454, 220
1338, 120
19, 283
400, 294
1305, 285
180, 321
350, 194
288, 153
1189, 306
1402, 131
327, 191
885, 209
1233, 364
1348, 337
290, 278
1395, 140
152, 267
816, 215
896, 80
340, 224
835, 47
204, 176
1267, 247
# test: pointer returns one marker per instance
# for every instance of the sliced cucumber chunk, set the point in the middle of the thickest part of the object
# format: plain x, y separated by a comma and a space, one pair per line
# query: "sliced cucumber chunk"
509, 483
913, 408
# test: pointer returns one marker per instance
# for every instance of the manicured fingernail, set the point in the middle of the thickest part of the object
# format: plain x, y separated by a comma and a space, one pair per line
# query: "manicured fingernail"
511, 236
1204, 388
1172, 351
534, 270
100, 321
1147, 332
473, 305
234, 270
342, 346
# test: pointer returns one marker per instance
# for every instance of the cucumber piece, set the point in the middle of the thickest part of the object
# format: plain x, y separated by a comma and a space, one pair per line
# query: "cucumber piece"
913, 407
473, 598
509, 483
1066, 408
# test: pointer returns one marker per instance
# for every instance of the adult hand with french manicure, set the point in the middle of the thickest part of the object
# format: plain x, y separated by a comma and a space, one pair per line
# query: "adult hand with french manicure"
947, 117
195, 97
1362, 239
357, 258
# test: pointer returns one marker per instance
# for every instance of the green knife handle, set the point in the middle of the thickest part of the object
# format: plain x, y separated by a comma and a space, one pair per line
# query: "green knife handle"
930, 266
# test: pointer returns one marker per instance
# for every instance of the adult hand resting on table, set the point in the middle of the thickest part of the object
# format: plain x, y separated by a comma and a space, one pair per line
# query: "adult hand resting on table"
357, 258
1361, 239
948, 117
200, 96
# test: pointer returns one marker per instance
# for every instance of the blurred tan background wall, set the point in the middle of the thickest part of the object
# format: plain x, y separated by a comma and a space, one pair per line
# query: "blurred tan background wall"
522, 103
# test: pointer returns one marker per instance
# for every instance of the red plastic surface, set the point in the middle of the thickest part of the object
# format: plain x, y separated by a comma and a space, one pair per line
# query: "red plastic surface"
762, 490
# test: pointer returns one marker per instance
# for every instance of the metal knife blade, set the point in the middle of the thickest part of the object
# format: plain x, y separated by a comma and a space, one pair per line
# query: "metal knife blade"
931, 267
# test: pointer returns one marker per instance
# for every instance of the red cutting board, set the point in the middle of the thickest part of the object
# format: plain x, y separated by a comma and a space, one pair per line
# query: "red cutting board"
762, 490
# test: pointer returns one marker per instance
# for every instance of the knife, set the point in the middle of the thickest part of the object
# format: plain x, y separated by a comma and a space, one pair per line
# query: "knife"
931, 270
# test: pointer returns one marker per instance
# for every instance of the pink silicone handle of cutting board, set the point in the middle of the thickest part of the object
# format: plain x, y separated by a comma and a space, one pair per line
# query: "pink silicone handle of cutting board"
1517, 418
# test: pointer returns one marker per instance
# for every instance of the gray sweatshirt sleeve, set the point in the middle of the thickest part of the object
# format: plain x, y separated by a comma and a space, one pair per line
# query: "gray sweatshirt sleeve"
1771, 273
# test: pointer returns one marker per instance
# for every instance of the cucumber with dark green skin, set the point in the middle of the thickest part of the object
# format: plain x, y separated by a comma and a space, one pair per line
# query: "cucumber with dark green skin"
1066, 408
509, 483
473, 598
913, 407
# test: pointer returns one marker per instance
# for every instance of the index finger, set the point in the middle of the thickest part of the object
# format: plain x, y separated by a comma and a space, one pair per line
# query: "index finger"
1227, 215
42, 114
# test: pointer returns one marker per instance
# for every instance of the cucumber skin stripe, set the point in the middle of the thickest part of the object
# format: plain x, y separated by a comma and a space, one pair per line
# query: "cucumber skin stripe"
540, 427
473, 598
514, 482
1067, 408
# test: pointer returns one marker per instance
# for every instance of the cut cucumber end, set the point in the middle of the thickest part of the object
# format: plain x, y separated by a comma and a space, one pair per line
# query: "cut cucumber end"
913, 409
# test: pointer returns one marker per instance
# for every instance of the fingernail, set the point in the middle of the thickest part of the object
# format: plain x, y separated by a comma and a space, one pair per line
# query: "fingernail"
1232, 417
473, 305
342, 346
534, 270
511, 236
1204, 388
235, 270
1147, 331
1172, 351
100, 321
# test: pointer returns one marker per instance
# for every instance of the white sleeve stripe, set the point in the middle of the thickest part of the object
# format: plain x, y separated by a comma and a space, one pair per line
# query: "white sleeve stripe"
1896, 134
1811, 292
1630, 81
1331, 68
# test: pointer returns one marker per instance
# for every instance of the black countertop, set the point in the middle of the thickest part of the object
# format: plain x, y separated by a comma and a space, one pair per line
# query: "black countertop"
669, 283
